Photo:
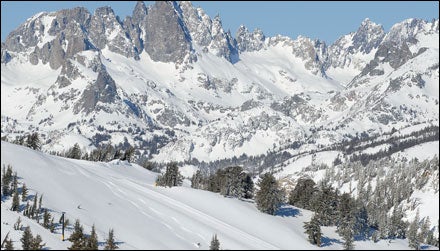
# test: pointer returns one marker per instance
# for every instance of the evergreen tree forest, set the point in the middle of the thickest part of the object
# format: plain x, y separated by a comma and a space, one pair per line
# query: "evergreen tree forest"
230, 182
377, 211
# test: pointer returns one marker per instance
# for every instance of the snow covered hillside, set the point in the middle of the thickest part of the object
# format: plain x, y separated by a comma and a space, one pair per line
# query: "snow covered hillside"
123, 196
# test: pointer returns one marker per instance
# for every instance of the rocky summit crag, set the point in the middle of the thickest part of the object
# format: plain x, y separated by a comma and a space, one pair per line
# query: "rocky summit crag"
172, 82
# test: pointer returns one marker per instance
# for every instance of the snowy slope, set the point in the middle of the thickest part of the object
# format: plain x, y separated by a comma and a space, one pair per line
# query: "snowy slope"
122, 196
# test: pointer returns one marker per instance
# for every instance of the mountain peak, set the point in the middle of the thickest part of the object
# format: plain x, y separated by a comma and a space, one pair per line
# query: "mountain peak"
406, 31
105, 10
368, 36
140, 11
367, 22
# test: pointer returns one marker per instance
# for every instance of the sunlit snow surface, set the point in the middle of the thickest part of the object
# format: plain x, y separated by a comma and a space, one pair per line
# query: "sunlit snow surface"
123, 196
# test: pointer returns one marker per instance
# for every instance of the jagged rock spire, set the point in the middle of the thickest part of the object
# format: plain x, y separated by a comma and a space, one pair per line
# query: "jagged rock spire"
165, 37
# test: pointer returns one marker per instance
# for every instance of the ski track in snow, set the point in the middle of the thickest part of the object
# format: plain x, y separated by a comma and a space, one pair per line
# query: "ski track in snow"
129, 185
224, 227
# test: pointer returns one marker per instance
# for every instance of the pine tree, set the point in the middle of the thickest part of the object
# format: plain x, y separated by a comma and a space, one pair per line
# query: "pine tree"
176, 178
36, 243
40, 203
270, 196
375, 236
14, 184
215, 243
383, 224
424, 231
118, 154
110, 243
413, 237
26, 239
75, 152
236, 178
128, 155
52, 225
33, 212
302, 194
27, 209
248, 187
313, 230
430, 239
361, 227
92, 241
438, 231
4, 240
24, 192
6, 180
46, 219
324, 202
171, 177
8, 244
397, 227
17, 225
15, 201
196, 180
20, 140
347, 235
231, 181
346, 221
109, 152
33, 141
77, 237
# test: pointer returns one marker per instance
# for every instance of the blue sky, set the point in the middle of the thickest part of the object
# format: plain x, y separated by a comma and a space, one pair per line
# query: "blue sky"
315, 19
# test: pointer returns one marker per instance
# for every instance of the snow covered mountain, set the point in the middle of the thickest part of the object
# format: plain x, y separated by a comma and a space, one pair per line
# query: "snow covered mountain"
122, 196
172, 82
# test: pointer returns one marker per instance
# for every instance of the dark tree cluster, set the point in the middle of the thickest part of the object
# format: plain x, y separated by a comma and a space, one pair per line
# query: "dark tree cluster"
397, 144
231, 181
270, 196
29, 242
301, 196
32, 141
81, 241
171, 177
103, 153
215, 243
331, 209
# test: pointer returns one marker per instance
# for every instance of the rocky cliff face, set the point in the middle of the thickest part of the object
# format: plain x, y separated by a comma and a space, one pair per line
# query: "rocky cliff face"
166, 37
356, 49
247, 41
135, 27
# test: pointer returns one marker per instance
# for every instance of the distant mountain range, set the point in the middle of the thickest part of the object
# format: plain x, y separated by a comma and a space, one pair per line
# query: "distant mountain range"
172, 82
